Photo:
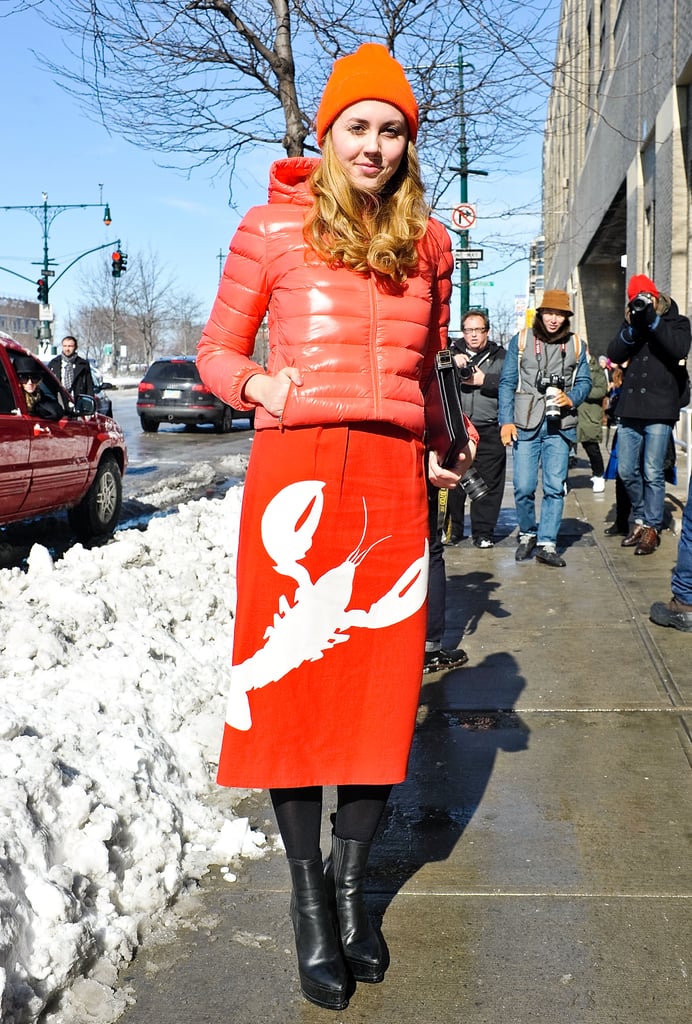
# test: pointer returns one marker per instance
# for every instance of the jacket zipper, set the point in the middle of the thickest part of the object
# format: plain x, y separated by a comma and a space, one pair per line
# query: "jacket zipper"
377, 397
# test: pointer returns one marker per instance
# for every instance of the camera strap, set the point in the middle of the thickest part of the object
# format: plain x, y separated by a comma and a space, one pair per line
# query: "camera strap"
537, 351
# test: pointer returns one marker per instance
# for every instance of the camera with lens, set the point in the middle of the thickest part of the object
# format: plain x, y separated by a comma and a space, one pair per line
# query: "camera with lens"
549, 380
473, 484
639, 304
467, 371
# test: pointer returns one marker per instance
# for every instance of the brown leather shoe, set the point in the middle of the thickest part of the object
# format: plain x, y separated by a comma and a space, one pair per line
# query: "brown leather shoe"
648, 541
633, 536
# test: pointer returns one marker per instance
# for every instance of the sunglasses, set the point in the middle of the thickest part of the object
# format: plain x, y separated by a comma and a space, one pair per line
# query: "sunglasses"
24, 378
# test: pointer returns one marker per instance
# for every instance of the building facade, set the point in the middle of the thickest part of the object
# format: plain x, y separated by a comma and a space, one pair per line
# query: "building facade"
19, 319
617, 157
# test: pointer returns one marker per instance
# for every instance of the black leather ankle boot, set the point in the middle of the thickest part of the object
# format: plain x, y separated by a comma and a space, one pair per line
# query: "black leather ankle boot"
323, 974
364, 950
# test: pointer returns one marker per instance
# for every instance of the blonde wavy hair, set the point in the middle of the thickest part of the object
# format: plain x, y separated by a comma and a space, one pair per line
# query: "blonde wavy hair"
367, 231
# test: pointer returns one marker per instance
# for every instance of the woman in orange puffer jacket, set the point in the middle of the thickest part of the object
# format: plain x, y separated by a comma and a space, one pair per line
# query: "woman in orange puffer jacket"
332, 562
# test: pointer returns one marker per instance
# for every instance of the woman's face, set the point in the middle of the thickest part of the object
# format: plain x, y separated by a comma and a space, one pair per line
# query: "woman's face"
29, 382
369, 140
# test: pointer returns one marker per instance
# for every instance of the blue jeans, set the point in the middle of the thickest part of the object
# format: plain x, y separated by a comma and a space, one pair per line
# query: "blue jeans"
682, 577
536, 448
642, 450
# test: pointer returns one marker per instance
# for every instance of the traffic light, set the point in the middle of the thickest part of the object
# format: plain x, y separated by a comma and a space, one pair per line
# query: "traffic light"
119, 263
42, 290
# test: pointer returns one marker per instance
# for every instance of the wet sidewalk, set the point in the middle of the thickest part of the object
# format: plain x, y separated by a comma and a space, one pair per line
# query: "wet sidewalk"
537, 864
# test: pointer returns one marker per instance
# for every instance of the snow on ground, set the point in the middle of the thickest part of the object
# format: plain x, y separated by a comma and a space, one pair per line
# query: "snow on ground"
114, 664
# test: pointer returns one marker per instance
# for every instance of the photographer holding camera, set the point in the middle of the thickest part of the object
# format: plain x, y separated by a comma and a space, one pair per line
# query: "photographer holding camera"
479, 364
544, 378
654, 341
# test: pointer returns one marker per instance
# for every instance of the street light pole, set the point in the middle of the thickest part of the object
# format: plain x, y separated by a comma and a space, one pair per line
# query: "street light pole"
45, 219
463, 170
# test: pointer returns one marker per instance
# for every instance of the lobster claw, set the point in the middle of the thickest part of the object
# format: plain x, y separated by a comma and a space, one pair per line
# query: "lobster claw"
238, 708
289, 523
402, 600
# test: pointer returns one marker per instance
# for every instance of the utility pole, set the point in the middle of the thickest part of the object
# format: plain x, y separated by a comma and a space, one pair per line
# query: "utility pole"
46, 219
463, 170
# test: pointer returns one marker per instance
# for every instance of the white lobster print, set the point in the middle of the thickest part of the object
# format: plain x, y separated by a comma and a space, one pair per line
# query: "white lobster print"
317, 619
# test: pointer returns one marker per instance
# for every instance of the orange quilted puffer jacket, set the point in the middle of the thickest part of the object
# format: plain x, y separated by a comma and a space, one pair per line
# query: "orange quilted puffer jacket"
362, 351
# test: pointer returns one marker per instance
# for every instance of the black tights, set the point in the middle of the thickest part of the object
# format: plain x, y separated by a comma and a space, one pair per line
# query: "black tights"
299, 816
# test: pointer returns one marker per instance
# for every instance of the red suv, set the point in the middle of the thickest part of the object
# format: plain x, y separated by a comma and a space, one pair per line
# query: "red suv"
64, 456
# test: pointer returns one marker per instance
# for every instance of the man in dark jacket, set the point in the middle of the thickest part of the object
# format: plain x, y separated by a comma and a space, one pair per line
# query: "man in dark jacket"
479, 364
73, 372
654, 341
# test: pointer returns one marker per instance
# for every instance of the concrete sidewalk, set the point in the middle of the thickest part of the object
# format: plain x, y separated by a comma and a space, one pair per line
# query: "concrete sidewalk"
536, 866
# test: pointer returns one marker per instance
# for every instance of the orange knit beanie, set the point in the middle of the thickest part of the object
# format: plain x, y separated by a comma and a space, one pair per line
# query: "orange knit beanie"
368, 74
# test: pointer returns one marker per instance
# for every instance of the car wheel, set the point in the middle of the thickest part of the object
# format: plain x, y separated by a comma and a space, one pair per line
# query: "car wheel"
225, 424
148, 425
98, 512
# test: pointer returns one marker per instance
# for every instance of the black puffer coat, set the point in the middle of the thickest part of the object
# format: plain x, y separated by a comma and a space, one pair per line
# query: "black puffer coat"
654, 383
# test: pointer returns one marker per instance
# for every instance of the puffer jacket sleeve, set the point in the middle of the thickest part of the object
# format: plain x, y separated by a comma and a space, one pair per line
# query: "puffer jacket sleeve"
439, 246
228, 340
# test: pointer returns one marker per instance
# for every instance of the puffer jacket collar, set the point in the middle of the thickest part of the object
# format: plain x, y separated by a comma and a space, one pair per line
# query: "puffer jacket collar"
288, 180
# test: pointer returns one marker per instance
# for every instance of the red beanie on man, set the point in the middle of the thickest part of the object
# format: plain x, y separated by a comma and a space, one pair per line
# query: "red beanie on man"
371, 73
641, 283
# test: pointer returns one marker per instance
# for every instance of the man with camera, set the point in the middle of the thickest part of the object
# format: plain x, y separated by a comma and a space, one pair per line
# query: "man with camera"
654, 341
544, 378
479, 363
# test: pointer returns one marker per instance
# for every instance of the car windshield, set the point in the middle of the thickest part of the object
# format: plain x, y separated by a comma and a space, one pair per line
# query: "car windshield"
170, 371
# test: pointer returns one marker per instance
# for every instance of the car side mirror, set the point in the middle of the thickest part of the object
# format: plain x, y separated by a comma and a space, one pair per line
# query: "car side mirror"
85, 405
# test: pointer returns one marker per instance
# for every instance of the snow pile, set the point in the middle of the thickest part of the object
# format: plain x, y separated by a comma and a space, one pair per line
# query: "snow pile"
115, 668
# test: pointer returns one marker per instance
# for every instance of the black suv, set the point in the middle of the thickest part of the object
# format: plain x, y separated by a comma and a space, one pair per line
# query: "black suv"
172, 391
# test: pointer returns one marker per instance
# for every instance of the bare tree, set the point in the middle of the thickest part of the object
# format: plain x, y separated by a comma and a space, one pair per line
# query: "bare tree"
99, 322
148, 303
186, 324
207, 80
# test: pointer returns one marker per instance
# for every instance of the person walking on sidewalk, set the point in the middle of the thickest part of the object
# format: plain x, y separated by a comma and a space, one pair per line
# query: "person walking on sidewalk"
590, 423
653, 340
332, 566
479, 362
545, 377
678, 611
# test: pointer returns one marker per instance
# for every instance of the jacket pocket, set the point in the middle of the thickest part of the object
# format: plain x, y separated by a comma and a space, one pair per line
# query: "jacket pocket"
528, 411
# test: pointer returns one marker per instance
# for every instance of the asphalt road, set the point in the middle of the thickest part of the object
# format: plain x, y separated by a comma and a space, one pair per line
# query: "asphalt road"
164, 470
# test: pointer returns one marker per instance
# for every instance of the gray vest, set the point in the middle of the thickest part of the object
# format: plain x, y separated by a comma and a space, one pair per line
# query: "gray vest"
544, 359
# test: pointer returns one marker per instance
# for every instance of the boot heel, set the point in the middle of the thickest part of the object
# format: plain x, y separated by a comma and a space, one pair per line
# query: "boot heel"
321, 967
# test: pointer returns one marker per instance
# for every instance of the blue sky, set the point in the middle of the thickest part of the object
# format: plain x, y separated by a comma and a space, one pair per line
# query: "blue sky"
51, 146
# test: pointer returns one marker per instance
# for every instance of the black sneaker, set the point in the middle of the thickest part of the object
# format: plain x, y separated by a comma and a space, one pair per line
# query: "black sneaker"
483, 541
443, 661
549, 556
527, 542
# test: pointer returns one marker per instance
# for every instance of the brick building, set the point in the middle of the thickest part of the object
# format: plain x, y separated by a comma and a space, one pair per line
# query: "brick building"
617, 157
19, 319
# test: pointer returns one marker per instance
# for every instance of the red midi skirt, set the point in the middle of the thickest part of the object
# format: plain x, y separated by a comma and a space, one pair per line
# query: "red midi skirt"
330, 625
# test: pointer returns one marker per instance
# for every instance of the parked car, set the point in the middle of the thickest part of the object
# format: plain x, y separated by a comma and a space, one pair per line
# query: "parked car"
101, 387
75, 461
172, 391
